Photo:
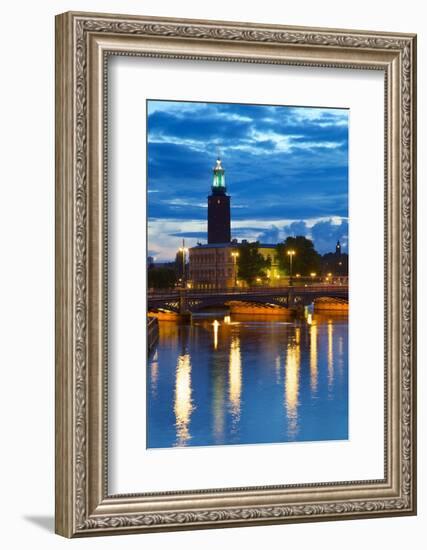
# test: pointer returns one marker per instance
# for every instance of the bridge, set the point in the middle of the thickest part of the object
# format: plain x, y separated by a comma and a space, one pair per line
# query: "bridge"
289, 297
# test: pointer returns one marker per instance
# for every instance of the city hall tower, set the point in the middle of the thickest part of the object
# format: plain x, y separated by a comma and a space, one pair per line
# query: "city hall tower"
218, 208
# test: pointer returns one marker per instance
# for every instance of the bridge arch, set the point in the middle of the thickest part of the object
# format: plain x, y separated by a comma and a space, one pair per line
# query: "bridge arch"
325, 303
262, 305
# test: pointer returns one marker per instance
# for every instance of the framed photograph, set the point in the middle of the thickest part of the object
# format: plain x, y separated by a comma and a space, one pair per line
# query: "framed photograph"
235, 274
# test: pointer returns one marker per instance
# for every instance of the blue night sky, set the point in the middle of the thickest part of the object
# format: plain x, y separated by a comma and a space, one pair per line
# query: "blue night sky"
286, 170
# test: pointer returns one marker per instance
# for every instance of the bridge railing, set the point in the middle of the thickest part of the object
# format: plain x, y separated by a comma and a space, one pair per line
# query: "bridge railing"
306, 289
257, 288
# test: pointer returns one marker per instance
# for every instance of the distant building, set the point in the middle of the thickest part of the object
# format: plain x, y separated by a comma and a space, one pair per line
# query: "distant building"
212, 265
335, 262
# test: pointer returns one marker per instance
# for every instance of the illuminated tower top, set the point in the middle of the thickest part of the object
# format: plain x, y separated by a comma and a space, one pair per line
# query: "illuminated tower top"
338, 249
218, 184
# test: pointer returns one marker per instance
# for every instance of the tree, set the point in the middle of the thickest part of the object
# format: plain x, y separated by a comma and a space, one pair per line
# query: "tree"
305, 260
251, 264
161, 277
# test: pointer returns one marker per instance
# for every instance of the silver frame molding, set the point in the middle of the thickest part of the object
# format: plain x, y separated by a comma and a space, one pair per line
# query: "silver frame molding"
83, 43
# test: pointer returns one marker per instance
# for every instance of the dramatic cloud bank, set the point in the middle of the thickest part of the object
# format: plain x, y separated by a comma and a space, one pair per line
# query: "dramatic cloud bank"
286, 172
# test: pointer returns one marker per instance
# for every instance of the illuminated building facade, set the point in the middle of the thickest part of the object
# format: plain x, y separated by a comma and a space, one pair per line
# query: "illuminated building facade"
215, 265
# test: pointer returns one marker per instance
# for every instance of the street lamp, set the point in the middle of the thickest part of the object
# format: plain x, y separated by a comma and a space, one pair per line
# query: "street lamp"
235, 255
183, 250
291, 254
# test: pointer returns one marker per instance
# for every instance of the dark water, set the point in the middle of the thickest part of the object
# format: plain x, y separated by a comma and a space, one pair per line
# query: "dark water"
248, 380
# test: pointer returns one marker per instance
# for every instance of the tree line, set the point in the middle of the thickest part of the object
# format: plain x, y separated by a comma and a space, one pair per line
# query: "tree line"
253, 266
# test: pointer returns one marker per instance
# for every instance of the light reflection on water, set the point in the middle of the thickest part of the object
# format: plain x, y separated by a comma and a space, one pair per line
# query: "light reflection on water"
235, 379
292, 380
313, 358
183, 404
240, 380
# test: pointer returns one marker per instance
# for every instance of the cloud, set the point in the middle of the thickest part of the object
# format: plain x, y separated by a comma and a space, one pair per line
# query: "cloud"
282, 163
324, 233
189, 234
197, 128
185, 203
271, 235
168, 234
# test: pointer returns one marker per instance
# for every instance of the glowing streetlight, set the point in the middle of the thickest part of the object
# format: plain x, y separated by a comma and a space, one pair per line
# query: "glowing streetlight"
312, 275
291, 254
183, 251
235, 255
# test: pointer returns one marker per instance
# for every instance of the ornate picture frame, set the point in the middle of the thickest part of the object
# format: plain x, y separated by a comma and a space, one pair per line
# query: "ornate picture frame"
84, 42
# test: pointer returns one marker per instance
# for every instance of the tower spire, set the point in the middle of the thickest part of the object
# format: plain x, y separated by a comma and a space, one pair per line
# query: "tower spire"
218, 208
218, 184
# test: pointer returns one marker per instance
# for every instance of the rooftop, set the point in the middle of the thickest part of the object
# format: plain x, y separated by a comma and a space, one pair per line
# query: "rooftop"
231, 245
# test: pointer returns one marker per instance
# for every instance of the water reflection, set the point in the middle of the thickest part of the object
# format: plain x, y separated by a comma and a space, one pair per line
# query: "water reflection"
215, 329
292, 368
183, 405
249, 380
330, 355
313, 358
235, 379
278, 370
154, 373
218, 399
